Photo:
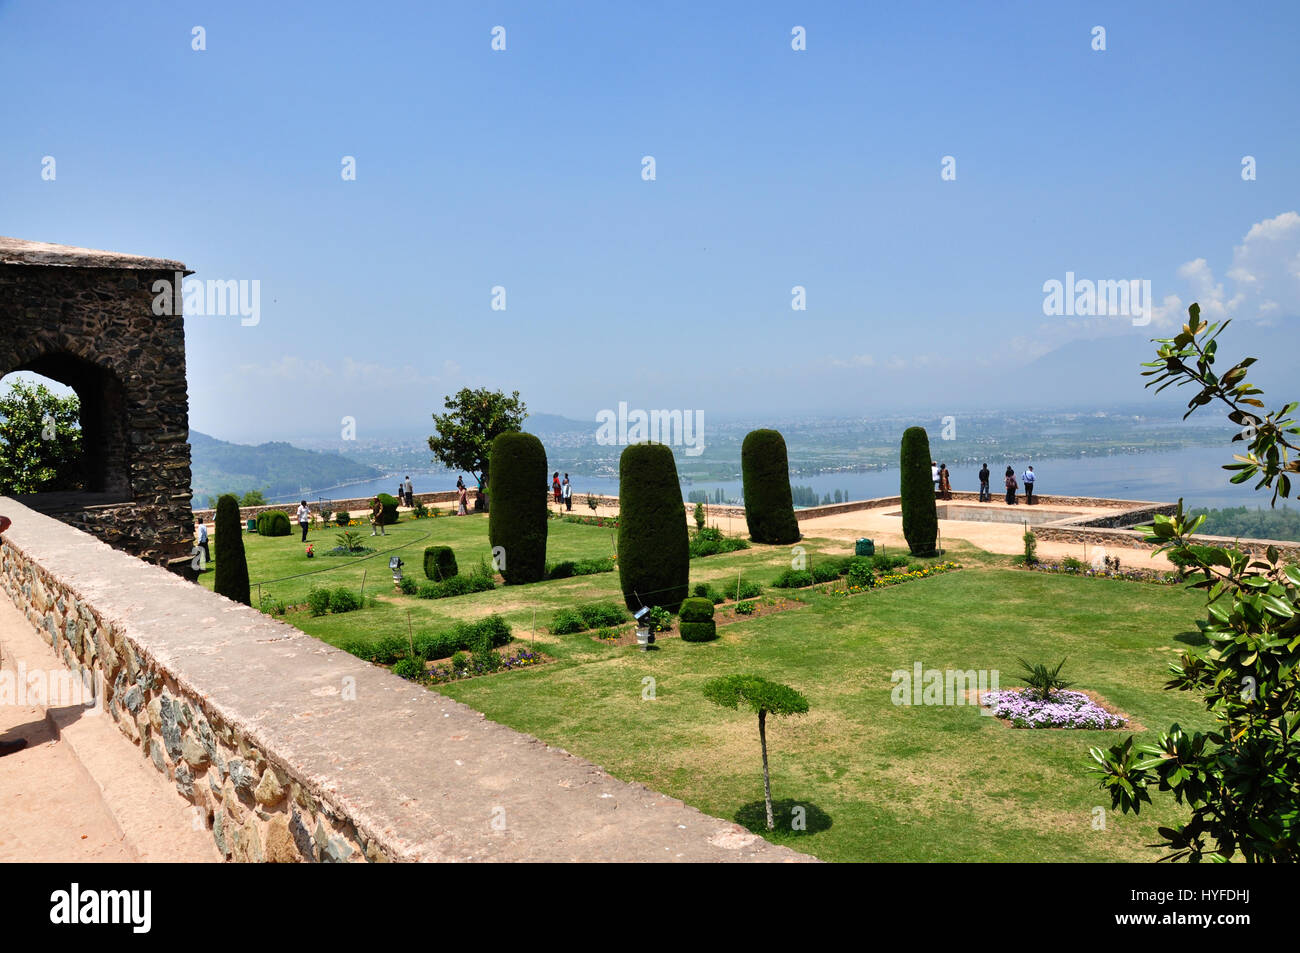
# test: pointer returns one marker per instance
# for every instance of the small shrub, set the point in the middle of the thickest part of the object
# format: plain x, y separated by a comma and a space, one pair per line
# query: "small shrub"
408, 586
705, 631
661, 620
343, 599
567, 621
589, 567
706, 590
420, 510
699, 516
273, 523
1031, 547
861, 572
560, 570
341, 518
1043, 682
711, 542
348, 541
440, 563
1070, 564
745, 608
882, 563
459, 662
794, 579
597, 614
409, 668
827, 571
696, 609
318, 601
745, 590
272, 606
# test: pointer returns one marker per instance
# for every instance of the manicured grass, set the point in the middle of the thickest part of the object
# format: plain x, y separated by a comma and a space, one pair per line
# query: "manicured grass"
877, 781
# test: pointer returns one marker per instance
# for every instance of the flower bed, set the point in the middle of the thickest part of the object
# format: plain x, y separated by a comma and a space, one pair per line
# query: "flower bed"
1133, 575
472, 668
1063, 709
609, 522
892, 579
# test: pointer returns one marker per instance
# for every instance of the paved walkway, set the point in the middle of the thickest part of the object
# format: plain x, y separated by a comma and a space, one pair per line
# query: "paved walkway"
79, 791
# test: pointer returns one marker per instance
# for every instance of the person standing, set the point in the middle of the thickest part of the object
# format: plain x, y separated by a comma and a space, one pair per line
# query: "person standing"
410, 492
567, 492
377, 518
462, 496
555, 487
985, 496
304, 517
934, 476
202, 540
945, 482
1012, 486
1029, 486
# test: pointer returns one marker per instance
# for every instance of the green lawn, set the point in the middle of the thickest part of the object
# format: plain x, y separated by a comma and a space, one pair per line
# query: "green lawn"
877, 781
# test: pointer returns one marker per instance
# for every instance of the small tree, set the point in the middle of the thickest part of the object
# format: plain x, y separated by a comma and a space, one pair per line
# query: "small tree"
1031, 547
654, 556
232, 566
1240, 778
517, 523
764, 697
699, 516
916, 493
474, 418
40, 440
253, 498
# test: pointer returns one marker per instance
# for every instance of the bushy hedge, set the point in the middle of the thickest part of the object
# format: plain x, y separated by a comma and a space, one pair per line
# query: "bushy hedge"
579, 567
338, 599
592, 615
706, 590
431, 645
793, 579
232, 566
695, 622
389, 503
440, 563
480, 580
517, 515
710, 542
653, 546
273, 523
916, 490
342, 518
769, 504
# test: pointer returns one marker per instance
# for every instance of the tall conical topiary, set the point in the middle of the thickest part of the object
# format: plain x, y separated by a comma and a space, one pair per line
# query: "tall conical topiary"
769, 504
232, 566
916, 490
654, 559
517, 516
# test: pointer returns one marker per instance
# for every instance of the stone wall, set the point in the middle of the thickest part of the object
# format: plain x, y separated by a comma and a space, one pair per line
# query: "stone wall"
352, 505
85, 319
292, 750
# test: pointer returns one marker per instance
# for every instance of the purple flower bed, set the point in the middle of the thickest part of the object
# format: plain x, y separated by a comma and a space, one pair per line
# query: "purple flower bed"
1064, 710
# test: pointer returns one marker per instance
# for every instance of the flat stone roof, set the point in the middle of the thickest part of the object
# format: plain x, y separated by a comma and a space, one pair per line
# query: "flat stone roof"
18, 251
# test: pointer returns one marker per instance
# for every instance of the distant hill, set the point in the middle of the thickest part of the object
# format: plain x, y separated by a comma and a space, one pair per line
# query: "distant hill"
277, 469
553, 423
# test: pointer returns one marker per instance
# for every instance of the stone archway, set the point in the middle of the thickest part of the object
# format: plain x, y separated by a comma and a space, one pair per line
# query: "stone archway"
85, 318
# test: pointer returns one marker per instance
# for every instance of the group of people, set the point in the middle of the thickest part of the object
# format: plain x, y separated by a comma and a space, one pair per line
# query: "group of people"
943, 485
462, 497
562, 491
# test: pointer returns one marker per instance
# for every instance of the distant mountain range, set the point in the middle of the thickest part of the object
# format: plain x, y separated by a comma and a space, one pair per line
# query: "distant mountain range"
277, 469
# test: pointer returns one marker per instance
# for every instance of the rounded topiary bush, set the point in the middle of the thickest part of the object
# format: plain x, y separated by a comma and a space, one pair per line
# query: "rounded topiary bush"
389, 503
342, 518
769, 504
696, 609
698, 631
440, 563
232, 566
517, 516
273, 523
916, 491
653, 545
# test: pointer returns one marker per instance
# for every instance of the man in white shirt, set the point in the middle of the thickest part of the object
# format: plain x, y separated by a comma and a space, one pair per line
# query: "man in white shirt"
202, 542
1029, 478
304, 517
934, 476
410, 492
566, 492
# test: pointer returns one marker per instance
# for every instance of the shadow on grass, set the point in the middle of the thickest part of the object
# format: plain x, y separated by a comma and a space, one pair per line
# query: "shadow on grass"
1192, 638
792, 817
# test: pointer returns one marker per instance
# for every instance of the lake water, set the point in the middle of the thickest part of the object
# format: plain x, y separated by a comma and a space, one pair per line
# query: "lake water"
1194, 474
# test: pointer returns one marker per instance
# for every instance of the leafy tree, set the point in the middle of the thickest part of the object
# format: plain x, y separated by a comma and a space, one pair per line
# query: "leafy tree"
1240, 779
916, 493
232, 565
40, 440
253, 498
474, 418
763, 697
699, 515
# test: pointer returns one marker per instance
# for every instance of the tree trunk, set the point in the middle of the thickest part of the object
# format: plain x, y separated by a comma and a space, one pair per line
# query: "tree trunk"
767, 783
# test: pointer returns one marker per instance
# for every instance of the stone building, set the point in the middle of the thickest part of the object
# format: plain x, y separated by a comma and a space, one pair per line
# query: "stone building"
86, 318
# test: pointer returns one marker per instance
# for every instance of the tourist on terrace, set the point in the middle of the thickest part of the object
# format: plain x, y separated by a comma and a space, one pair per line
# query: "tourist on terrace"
410, 492
1012, 486
934, 476
555, 487
945, 483
462, 495
985, 496
377, 518
304, 517
202, 540
566, 492
1029, 486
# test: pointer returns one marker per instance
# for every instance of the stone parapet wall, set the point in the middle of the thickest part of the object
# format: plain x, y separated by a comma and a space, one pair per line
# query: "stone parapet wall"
291, 750
353, 505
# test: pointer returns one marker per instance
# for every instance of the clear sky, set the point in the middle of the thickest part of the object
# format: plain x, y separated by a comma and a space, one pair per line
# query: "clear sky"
522, 168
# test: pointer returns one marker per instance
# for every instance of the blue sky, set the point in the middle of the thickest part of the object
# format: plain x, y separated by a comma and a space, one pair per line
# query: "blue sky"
774, 168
